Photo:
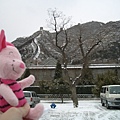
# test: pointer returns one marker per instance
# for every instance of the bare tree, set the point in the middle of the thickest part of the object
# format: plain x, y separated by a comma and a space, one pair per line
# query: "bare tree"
59, 24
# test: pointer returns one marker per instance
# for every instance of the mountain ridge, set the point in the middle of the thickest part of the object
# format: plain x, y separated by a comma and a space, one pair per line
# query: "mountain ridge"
107, 52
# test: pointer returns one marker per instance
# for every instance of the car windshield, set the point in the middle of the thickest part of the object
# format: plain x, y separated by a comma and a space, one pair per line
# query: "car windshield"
115, 90
27, 94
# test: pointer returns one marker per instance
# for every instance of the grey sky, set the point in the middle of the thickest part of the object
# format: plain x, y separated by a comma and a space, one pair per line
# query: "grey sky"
21, 18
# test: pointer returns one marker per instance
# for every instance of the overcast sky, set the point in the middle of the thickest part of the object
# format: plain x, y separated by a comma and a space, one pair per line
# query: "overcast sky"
21, 18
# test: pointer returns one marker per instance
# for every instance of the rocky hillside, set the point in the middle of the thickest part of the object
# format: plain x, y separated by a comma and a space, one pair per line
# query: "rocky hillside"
40, 46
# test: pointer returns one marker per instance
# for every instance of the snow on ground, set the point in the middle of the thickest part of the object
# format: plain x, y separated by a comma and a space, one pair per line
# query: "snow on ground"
87, 110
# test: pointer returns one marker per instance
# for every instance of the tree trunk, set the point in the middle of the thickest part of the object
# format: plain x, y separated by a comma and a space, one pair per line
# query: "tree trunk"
61, 96
74, 96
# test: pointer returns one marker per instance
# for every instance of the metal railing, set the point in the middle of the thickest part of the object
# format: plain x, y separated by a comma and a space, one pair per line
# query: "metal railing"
65, 96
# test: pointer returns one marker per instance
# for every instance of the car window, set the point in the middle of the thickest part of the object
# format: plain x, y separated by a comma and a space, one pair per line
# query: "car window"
27, 94
107, 89
103, 90
115, 90
33, 94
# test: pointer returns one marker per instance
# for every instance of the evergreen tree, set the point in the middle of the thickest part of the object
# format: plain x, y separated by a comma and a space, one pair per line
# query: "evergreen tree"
58, 71
87, 77
59, 85
108, 78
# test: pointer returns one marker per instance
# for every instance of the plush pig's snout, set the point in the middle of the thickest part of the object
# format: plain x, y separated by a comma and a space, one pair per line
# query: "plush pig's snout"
22, 65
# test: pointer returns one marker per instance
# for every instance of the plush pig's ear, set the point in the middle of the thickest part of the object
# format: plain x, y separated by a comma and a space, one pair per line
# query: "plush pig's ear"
2, 40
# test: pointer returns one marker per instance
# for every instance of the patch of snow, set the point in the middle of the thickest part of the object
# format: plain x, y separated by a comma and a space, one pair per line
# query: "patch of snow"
87, 110
38, 49
73, 82
33, 46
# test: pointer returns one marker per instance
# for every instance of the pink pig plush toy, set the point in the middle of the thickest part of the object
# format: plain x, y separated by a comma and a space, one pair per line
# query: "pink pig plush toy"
11, 68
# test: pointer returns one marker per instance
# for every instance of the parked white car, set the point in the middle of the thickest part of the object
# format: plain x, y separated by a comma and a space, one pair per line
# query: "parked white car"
31, 98
110, 96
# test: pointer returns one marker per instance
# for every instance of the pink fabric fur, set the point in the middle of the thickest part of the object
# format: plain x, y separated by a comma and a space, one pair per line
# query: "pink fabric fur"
11, 68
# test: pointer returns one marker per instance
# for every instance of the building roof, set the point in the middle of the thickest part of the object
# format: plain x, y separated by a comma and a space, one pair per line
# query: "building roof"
93, 66
50, 61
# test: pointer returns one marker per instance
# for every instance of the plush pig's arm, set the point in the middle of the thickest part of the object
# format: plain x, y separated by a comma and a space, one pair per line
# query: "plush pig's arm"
27, 81
8, 95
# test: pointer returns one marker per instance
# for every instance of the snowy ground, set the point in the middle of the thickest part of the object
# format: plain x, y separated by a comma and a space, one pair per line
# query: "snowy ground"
87, 110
